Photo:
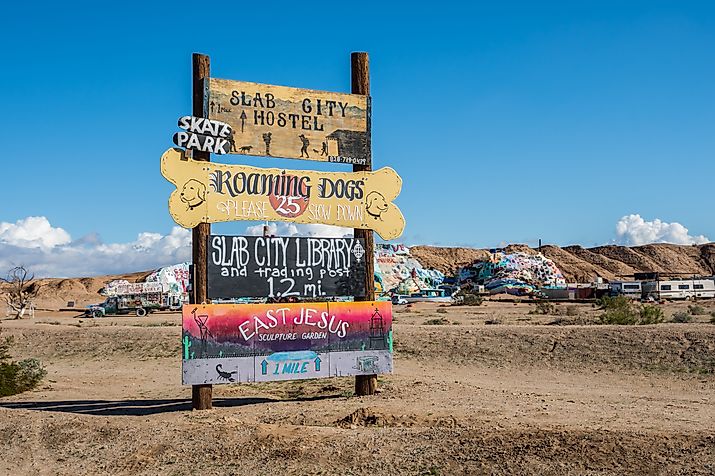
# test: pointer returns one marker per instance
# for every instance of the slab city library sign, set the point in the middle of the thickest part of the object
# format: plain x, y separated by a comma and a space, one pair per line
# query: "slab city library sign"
226, 343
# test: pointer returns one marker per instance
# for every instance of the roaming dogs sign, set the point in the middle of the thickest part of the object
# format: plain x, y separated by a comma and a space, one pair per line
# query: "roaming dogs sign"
210, 192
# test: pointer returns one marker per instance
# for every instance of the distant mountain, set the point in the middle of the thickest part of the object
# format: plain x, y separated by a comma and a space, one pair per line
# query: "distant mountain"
584, 264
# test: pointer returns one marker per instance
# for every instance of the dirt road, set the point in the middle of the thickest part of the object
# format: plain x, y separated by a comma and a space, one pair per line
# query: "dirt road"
520, 397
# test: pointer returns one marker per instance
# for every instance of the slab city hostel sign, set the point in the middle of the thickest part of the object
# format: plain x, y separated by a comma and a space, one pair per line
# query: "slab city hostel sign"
227, 343
210, 192
279, 121
282, 267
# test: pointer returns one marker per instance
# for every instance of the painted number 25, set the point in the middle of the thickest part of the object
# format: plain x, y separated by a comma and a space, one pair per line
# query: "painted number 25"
287, 205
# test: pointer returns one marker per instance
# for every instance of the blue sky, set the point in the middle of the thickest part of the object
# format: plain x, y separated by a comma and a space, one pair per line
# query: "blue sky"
507, 122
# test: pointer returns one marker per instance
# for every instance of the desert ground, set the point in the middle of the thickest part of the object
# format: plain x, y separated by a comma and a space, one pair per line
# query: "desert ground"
491, 389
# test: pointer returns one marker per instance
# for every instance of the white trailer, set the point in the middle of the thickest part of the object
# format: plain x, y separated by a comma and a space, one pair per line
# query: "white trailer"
631, 289
679, 289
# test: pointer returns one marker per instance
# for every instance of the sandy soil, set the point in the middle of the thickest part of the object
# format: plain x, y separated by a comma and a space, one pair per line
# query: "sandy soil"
527, 396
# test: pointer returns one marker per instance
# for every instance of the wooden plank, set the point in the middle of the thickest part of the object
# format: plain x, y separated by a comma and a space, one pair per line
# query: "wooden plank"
360, 84
294, 123
210, 192
202, 395
230, 343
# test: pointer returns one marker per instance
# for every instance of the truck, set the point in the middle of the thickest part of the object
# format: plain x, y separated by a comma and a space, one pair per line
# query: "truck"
137, 298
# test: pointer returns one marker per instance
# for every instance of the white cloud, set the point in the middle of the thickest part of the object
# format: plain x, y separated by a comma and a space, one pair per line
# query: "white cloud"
632, 230
33, 232
48, 251
293, 229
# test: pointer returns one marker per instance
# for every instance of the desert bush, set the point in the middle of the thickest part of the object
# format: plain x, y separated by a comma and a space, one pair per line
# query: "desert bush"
490, 322
614, 302
650, 314
467, 298
618, 310
17, 377
696, 310
681, 317
543, 307
436, 322
572, 310
622, 311
712, 317
441, 310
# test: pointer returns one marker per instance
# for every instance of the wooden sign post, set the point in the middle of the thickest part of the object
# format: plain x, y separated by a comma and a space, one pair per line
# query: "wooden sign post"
307, 340
360, 72
201, 395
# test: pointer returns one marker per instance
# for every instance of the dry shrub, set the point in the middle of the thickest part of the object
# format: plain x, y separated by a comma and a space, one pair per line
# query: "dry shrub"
17, 377
436, 322
696, 310
620, 310
543, 307
467, 298
681, 317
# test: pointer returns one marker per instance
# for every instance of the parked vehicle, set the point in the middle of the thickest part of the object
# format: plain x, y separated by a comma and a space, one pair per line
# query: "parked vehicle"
679, 289
137, 298
631, 289
399, 299
429, 295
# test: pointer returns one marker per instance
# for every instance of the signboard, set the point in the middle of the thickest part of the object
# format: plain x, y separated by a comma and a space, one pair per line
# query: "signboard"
279, 121
204, 135
227, 343
252, 266
124, 288
210, 192
202, 143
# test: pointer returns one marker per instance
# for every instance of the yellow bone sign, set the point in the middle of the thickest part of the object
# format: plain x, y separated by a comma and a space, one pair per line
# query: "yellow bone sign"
210, 192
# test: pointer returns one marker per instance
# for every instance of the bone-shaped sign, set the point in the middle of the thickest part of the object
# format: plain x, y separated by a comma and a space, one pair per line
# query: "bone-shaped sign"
210, 192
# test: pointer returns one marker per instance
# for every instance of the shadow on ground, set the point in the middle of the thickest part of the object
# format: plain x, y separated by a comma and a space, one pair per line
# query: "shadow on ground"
141, 407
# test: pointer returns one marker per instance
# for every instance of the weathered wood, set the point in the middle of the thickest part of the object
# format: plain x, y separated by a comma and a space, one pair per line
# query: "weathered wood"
360, 84
294, 123
201, 395
219, 192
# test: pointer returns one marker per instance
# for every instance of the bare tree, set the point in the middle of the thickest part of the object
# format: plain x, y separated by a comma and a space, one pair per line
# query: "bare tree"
19, 290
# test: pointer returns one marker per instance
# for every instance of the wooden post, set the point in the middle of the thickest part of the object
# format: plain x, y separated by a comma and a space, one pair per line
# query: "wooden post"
201, 395
360, 72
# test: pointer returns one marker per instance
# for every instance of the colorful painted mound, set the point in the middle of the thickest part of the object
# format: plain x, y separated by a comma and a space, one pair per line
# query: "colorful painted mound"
396, 269
513, 273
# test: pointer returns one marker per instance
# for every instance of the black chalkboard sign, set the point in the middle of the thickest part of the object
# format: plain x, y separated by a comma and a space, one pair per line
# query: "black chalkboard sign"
285, 267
